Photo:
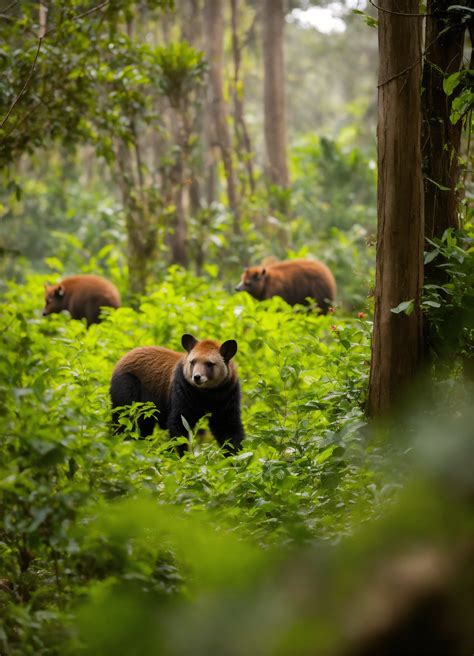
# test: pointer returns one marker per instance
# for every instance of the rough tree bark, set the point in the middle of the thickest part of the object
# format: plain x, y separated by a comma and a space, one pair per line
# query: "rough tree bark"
273, 21
441, 140
397, 338
214, 29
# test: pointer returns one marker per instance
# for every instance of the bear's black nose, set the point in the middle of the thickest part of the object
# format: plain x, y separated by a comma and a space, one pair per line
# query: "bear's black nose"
197, 378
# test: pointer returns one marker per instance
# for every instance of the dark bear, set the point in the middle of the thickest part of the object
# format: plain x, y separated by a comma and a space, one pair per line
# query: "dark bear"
201, 381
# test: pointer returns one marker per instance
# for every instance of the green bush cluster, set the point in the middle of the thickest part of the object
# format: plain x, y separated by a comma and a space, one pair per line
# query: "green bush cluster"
449, 304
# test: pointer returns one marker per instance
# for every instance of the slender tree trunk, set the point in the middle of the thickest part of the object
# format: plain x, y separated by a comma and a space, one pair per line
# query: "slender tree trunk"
273, 21
397, 338
441, 139
141, 232
192, 31
191, 17
178, 239
214, 28
178, 242
241, 133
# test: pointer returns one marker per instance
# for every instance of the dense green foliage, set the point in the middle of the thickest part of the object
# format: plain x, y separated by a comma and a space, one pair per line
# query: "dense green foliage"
54, 74
303, 380
307, 474
450, 304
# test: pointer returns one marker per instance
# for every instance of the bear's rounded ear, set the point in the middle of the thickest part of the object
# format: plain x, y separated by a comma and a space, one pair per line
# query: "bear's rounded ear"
228, 349
188, 342
59, 291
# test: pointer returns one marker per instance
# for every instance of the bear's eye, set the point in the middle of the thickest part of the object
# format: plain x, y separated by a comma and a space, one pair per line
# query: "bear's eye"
192, 363
210, 364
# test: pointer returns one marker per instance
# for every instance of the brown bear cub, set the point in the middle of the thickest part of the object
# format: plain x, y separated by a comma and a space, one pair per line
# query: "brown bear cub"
201, 381
293, 280
82, 296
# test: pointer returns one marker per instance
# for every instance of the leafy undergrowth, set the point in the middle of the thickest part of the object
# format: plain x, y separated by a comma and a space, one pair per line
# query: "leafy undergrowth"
94, 526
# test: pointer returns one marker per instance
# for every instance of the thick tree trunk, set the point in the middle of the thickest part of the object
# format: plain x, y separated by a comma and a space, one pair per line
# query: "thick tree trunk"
273, 21
440, 139
397, 338
214, 28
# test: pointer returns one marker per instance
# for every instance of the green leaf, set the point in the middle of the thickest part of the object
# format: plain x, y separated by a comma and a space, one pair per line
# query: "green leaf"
187, 426
406, 307
429, 257
437, 184
369, 20
451, 82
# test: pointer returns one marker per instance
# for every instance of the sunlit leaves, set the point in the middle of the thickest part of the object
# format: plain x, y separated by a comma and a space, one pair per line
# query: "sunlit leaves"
181, 70
460, 82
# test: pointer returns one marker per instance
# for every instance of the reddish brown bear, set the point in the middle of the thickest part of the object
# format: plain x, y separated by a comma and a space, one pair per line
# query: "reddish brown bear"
202, 381
293, 280
82, 296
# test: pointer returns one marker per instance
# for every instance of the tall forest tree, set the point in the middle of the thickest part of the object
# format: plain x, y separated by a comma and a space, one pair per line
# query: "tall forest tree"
182, 73
242, 136
220, 136
397, 336
273, 21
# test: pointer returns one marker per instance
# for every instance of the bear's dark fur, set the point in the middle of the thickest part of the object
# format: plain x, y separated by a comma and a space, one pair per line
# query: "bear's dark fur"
202, 381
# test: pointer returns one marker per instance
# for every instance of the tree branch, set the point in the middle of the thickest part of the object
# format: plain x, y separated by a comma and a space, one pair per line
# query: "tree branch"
27, 81
10, 6
43, 35
423, 55
405, 70
92, 10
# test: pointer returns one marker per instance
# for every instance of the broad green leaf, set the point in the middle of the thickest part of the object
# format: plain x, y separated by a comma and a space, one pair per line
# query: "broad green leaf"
406, 307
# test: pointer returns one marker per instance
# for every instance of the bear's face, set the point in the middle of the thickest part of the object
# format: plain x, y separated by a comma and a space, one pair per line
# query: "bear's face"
206, 363
253, 282
54, 299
